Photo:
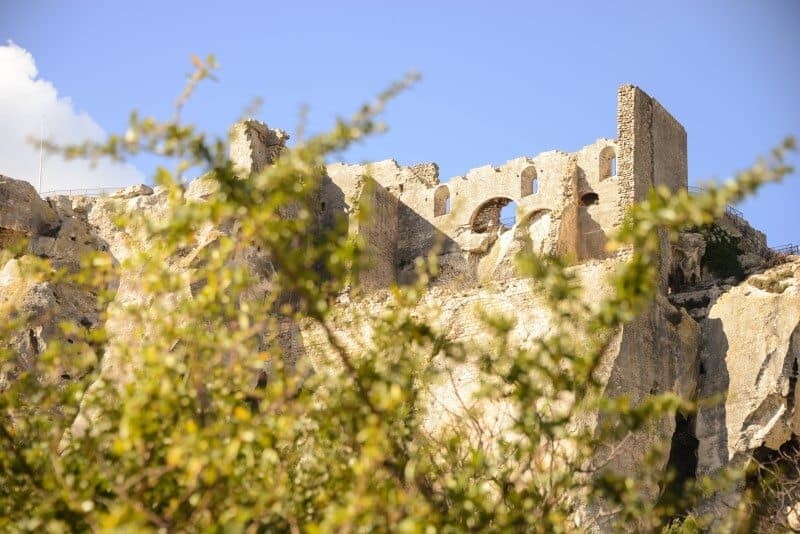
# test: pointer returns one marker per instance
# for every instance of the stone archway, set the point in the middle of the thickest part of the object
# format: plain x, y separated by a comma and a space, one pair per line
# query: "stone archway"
487, 216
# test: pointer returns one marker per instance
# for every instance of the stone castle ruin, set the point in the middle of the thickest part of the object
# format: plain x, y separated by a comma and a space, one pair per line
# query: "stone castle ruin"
566, 203
706, 334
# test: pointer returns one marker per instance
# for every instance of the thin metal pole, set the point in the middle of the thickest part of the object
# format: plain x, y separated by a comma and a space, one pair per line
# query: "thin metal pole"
41, 151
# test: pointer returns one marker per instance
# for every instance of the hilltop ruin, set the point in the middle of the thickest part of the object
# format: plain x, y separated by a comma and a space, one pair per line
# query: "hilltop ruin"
705, 334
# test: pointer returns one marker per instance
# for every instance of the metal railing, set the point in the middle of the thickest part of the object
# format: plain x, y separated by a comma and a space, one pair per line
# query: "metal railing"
93, 192
730, 210
783, 250
787, 249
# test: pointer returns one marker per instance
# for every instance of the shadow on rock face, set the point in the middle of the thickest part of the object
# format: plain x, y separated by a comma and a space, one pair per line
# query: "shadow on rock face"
712, 424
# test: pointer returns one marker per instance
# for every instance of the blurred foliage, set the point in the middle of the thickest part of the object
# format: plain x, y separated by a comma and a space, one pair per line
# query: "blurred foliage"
206, 427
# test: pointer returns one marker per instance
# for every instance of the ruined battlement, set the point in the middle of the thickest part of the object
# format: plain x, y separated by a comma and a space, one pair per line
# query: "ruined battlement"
565, 203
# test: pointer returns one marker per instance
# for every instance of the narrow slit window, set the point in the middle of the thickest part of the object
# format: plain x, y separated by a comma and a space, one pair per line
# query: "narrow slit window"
529, 181
608, 163
441, 201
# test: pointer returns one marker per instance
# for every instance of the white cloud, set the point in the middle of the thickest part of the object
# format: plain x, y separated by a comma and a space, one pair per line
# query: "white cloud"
27, 102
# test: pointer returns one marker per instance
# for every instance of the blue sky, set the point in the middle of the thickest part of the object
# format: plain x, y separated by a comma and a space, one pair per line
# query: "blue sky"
501, 79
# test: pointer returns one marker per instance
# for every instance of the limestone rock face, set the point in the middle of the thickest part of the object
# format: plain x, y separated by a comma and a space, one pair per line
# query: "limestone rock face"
749, 357
656, 353
751, 242
45, 306
133, 191
55, 233
54, 230
101, 214
22, 212
74, 240
201, 188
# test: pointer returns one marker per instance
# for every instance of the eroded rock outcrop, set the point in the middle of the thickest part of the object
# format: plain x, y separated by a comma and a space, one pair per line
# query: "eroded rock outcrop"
748, 364
23, 213
749, 358
41, 307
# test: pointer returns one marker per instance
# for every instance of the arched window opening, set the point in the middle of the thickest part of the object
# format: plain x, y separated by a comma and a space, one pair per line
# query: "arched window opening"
590, 199
441, 201
508, 214
529, 181
608, 163
487, 216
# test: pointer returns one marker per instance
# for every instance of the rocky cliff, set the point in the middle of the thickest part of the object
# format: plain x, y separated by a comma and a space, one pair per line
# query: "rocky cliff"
710, 338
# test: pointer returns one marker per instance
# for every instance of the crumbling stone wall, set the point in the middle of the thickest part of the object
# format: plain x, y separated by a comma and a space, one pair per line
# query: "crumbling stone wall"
653, 153
600, 204
378, 231
566, 203
254, 145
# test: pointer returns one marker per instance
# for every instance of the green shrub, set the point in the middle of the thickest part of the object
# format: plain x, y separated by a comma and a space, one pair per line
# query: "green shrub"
722, 251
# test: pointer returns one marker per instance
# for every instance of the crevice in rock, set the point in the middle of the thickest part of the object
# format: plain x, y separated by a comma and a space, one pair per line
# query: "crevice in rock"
34, 341
701, 301
51, 231
253, 401
792, 384
682, 463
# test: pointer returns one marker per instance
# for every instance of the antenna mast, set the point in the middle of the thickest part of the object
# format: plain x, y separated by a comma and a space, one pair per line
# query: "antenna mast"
41, 151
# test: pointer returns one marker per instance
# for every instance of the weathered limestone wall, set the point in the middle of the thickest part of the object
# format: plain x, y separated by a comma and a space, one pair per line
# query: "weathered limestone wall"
379, 233
652, 144
670, 157
750, 353
596, 219
566, 204
654, 354
460, 220
652, 153
254, 145
512, 181
410, 185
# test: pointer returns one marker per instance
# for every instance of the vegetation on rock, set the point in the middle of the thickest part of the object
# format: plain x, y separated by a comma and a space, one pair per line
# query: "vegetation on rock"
722, 251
